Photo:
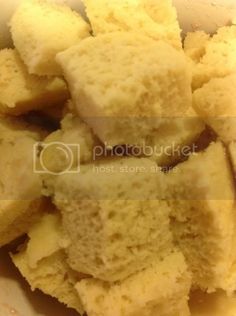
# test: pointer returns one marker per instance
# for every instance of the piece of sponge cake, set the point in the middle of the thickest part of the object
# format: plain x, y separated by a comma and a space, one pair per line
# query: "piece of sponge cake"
123, 96
219, 59
175, 139
79, 138
154, 18
41, 29
20, 190
201, 194
42, 262
215, 103
195, 45
21, 92
18, 179
113, 218
17, 216
65, 149
162, 289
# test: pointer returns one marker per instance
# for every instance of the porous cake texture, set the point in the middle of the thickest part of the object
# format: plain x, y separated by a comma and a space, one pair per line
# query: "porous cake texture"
75, 136
162, 289
219, 59
215, 103
203, 217
42, 262
175, 139
40, 29
156, 19
21, 92
17, 217
113, 218
122, 96
20, 192
195, 45
66, 149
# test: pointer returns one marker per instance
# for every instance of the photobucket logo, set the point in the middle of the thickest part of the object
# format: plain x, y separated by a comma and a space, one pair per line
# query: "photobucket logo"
56, 158
144, 150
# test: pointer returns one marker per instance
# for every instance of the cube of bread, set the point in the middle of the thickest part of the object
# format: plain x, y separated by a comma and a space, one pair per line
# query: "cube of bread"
123, 96
112, 216
20, 187
215, 103
195, 45
161, 289
201, 194
41, 29
156, 18
17, 216
21, 92
232, 152
42, 262
219, 59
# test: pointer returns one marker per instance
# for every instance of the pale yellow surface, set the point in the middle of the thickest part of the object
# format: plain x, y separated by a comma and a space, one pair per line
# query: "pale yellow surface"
17, 216
21, 92
215, 103
112, 215
195, 45
121, 96
156, 18
174, 138
42, 262
219, 59
41, 29
18, 179
201, 193
20, 189
69, 147
75, 134
46, 238
161, 289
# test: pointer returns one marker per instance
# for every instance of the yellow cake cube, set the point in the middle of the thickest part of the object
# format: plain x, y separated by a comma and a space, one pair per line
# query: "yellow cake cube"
112, 215
219, 59
76, 137
21, 92
195, 45
154, 18
201, 194
161, 289
175, 139
123, 96
215, 103
20, 192
65, 149
41, 29
42, 262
